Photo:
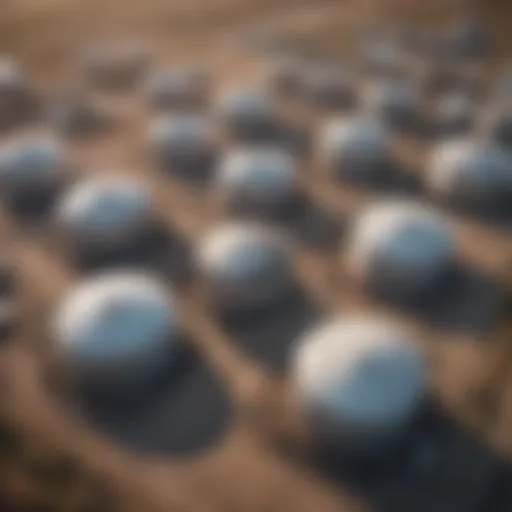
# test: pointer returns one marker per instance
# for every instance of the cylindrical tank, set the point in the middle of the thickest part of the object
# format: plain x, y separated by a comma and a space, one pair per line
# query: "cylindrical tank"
356, 149
245, 265
115, 330
359, 382
260, 179
400, 248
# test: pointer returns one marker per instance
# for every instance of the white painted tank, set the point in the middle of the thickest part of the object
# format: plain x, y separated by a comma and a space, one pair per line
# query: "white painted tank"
469, 171
330, 85
12, 79
182, 139
456, 114
468, 38
359, 382
383, 59
245, 265
31, 163
503, 88
177, 88
497, 124
246, 111
121, 63
394, 101
356, 148
116, 328
400, 247
287, 74
105, 209
262, 176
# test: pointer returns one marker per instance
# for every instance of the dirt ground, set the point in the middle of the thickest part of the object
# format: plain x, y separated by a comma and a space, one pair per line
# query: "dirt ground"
253, 455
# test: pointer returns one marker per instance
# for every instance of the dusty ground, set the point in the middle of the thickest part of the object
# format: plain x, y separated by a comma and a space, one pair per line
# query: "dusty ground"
53, 459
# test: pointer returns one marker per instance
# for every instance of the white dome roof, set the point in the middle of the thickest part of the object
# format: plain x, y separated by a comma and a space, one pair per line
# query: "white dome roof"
360, 371
329, 76
401, 238
245, 104
245, 265
122, 50
181, 130
501, 128
390, 98
504, 83
259, 173
384, 58
467, 37
104, 205
356, 142
455, 109
128, 58
288, 70
175, 86
240, 251
468, 168
456, 103
116, 321
11, 76
31, 160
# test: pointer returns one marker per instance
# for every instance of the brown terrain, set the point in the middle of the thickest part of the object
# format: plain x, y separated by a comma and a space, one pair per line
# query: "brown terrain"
52, 459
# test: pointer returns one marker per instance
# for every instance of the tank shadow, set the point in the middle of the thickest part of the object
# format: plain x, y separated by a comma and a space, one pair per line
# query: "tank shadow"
438, 465
183, 413
158, 249
464, 301
267, 334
